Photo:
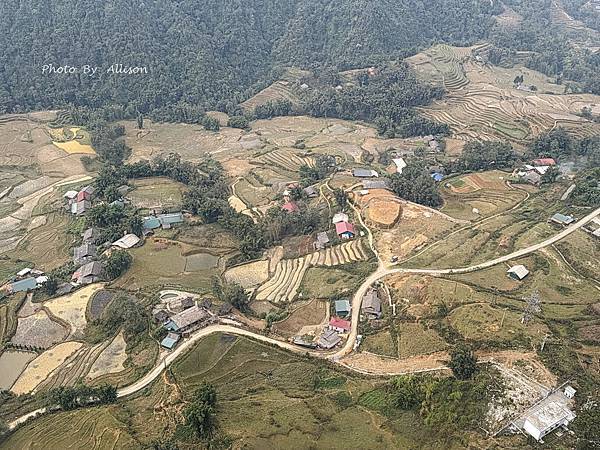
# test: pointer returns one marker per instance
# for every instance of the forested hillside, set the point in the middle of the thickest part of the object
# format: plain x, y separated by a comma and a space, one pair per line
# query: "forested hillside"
205, 54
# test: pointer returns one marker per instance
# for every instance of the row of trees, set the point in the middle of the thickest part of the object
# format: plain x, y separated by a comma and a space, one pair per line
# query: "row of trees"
560, 144
72, 397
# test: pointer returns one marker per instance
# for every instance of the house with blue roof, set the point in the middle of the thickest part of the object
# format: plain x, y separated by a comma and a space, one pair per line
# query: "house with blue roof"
170, 341
27, 284
437, 176
342, 308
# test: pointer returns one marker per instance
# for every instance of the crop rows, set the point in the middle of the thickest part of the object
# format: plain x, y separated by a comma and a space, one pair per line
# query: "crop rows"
75, 368
286, 160
284, 284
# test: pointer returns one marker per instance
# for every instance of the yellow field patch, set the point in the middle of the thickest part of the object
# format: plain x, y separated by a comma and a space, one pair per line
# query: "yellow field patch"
42, 366
71, 307
72, 147
249, 275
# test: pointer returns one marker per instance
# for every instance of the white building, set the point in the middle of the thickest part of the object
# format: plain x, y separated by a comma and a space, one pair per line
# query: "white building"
547, 418
400, 164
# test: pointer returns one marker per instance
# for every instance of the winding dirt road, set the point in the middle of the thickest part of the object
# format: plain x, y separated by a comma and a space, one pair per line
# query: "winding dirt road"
356, 303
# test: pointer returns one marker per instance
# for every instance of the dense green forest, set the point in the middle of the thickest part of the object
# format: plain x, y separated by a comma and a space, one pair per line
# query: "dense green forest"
206, 54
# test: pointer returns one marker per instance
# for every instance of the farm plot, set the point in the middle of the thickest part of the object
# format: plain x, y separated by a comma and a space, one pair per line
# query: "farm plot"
156, 193
285, 283
484, 323
8, 317
166, 262
71, 308
381, 208
479, 195
381, 343
12, 365
111, 360
39, 331
98, 301
72, 140
414, 340
74, 369
416, 228
484, 104
302, 318
42, 366
249, 275
90, 428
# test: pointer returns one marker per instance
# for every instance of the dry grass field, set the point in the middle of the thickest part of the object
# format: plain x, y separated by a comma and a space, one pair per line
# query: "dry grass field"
156, 193
249, 275
302, 319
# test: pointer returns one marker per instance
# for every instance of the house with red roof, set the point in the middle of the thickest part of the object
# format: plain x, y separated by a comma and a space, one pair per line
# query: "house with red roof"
544, 162
345, 230
290, 207
339, 325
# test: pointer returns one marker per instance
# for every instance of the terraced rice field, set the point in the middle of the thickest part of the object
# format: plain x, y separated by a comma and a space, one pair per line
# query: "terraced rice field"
280, 90
286, 159
39, 331
12, 365
482, 103
91, 428
285, 282
75, 368
8, 317
72, 307
42, 366
111, 360
100, 299
249, 275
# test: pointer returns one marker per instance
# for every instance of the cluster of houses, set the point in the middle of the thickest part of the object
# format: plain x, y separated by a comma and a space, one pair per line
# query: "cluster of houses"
26, 280
533, 173
78, 202
344, 229
340, 323
163, 221
187, 316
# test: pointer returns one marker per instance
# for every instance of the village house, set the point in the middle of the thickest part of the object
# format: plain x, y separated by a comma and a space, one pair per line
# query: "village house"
168, 220
310, 192
400, 164
89, 273
24, 285
187, 319
339, 217
518, 272
339, 325
345, 230
127, 241
80, 207
322, 240
170, 340
85, 194
364, 173
160, 316
329, 339
303, 341
70, 196
544, 162
561, 219
375, 184
90, 235
371, 305
342, 308
84, 254
290, 207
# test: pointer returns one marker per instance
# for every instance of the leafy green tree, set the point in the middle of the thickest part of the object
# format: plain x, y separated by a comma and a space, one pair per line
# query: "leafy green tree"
117, 263
587, 428
341, 197
406, 392
206, 393
201, 418
463, 362
51, 285
211, 123
238, 122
